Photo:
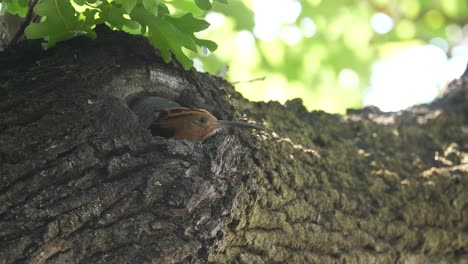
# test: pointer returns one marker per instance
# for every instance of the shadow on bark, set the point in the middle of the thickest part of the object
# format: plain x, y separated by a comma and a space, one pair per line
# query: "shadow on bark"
82, 182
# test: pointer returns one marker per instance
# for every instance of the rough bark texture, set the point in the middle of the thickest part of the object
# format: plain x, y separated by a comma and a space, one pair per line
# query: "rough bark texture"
82, 182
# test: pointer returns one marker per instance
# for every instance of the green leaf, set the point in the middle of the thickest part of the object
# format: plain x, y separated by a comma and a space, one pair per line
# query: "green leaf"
171, 35
211, 45
203, 4
222, 1
128, 5
151, 6
163, 10
182, 7
61, 22
188, 23
90, 22
142, 16
164, 37
114, 15
19, 7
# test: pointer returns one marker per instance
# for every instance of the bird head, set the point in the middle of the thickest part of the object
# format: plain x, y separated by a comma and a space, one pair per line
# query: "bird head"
194, 124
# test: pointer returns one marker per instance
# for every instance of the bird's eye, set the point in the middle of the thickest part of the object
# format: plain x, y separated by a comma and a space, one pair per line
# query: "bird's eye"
203, 120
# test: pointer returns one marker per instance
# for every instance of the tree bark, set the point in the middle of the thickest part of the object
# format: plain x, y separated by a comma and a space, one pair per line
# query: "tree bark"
82, 182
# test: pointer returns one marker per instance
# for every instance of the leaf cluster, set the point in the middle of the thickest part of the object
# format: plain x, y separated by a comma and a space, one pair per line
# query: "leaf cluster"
169, 32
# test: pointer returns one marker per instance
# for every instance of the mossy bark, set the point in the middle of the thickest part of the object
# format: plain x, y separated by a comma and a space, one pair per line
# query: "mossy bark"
82, 182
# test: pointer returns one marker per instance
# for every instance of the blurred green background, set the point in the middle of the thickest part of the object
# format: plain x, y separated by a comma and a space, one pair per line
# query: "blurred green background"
334, 54
337, 54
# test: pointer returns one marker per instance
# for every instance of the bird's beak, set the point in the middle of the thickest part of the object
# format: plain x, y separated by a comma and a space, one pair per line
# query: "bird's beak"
226, 123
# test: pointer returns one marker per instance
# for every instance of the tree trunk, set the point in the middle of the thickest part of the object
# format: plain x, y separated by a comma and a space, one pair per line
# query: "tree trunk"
82, 182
